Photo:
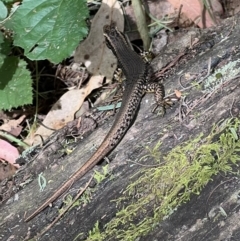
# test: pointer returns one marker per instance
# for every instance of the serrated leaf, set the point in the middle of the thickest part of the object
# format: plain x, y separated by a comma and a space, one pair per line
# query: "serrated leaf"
49, 29
15, 83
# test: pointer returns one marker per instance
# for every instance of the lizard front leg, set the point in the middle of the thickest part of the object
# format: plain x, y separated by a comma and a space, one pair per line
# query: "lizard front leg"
159, 94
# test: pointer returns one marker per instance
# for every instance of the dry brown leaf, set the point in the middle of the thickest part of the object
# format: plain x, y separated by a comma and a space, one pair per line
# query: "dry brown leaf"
60, 114
93, 52
6, 170
194, 9
12, 126
161, 8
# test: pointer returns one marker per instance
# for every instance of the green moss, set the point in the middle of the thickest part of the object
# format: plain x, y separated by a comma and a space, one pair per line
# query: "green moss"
159, 191
100, 176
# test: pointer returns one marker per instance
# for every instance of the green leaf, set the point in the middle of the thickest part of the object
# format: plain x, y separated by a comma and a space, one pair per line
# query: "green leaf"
3, 11
49, 29
15, 83
4, 48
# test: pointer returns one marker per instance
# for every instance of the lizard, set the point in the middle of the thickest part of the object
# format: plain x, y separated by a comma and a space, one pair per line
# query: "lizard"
138, 74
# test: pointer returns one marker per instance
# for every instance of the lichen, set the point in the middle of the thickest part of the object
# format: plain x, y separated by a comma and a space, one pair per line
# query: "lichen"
220, 76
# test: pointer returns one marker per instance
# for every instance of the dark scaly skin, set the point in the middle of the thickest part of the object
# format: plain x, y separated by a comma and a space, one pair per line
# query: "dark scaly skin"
137, 74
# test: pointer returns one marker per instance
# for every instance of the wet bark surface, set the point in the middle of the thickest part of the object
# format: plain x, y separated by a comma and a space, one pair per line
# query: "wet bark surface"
215, 48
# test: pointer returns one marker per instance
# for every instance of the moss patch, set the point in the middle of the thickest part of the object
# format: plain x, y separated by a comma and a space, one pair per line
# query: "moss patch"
160, 190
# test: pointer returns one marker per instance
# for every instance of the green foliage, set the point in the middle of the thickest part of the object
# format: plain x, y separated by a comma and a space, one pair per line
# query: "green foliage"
49, 29
44, 30
95, 233
98, 176
186, 169
3, 11
68, 202
15, 83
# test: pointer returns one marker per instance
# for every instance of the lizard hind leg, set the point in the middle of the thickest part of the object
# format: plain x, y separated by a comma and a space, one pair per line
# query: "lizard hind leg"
159, 94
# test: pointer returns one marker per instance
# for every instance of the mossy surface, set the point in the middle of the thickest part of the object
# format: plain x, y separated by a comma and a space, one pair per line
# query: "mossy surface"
160, 190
